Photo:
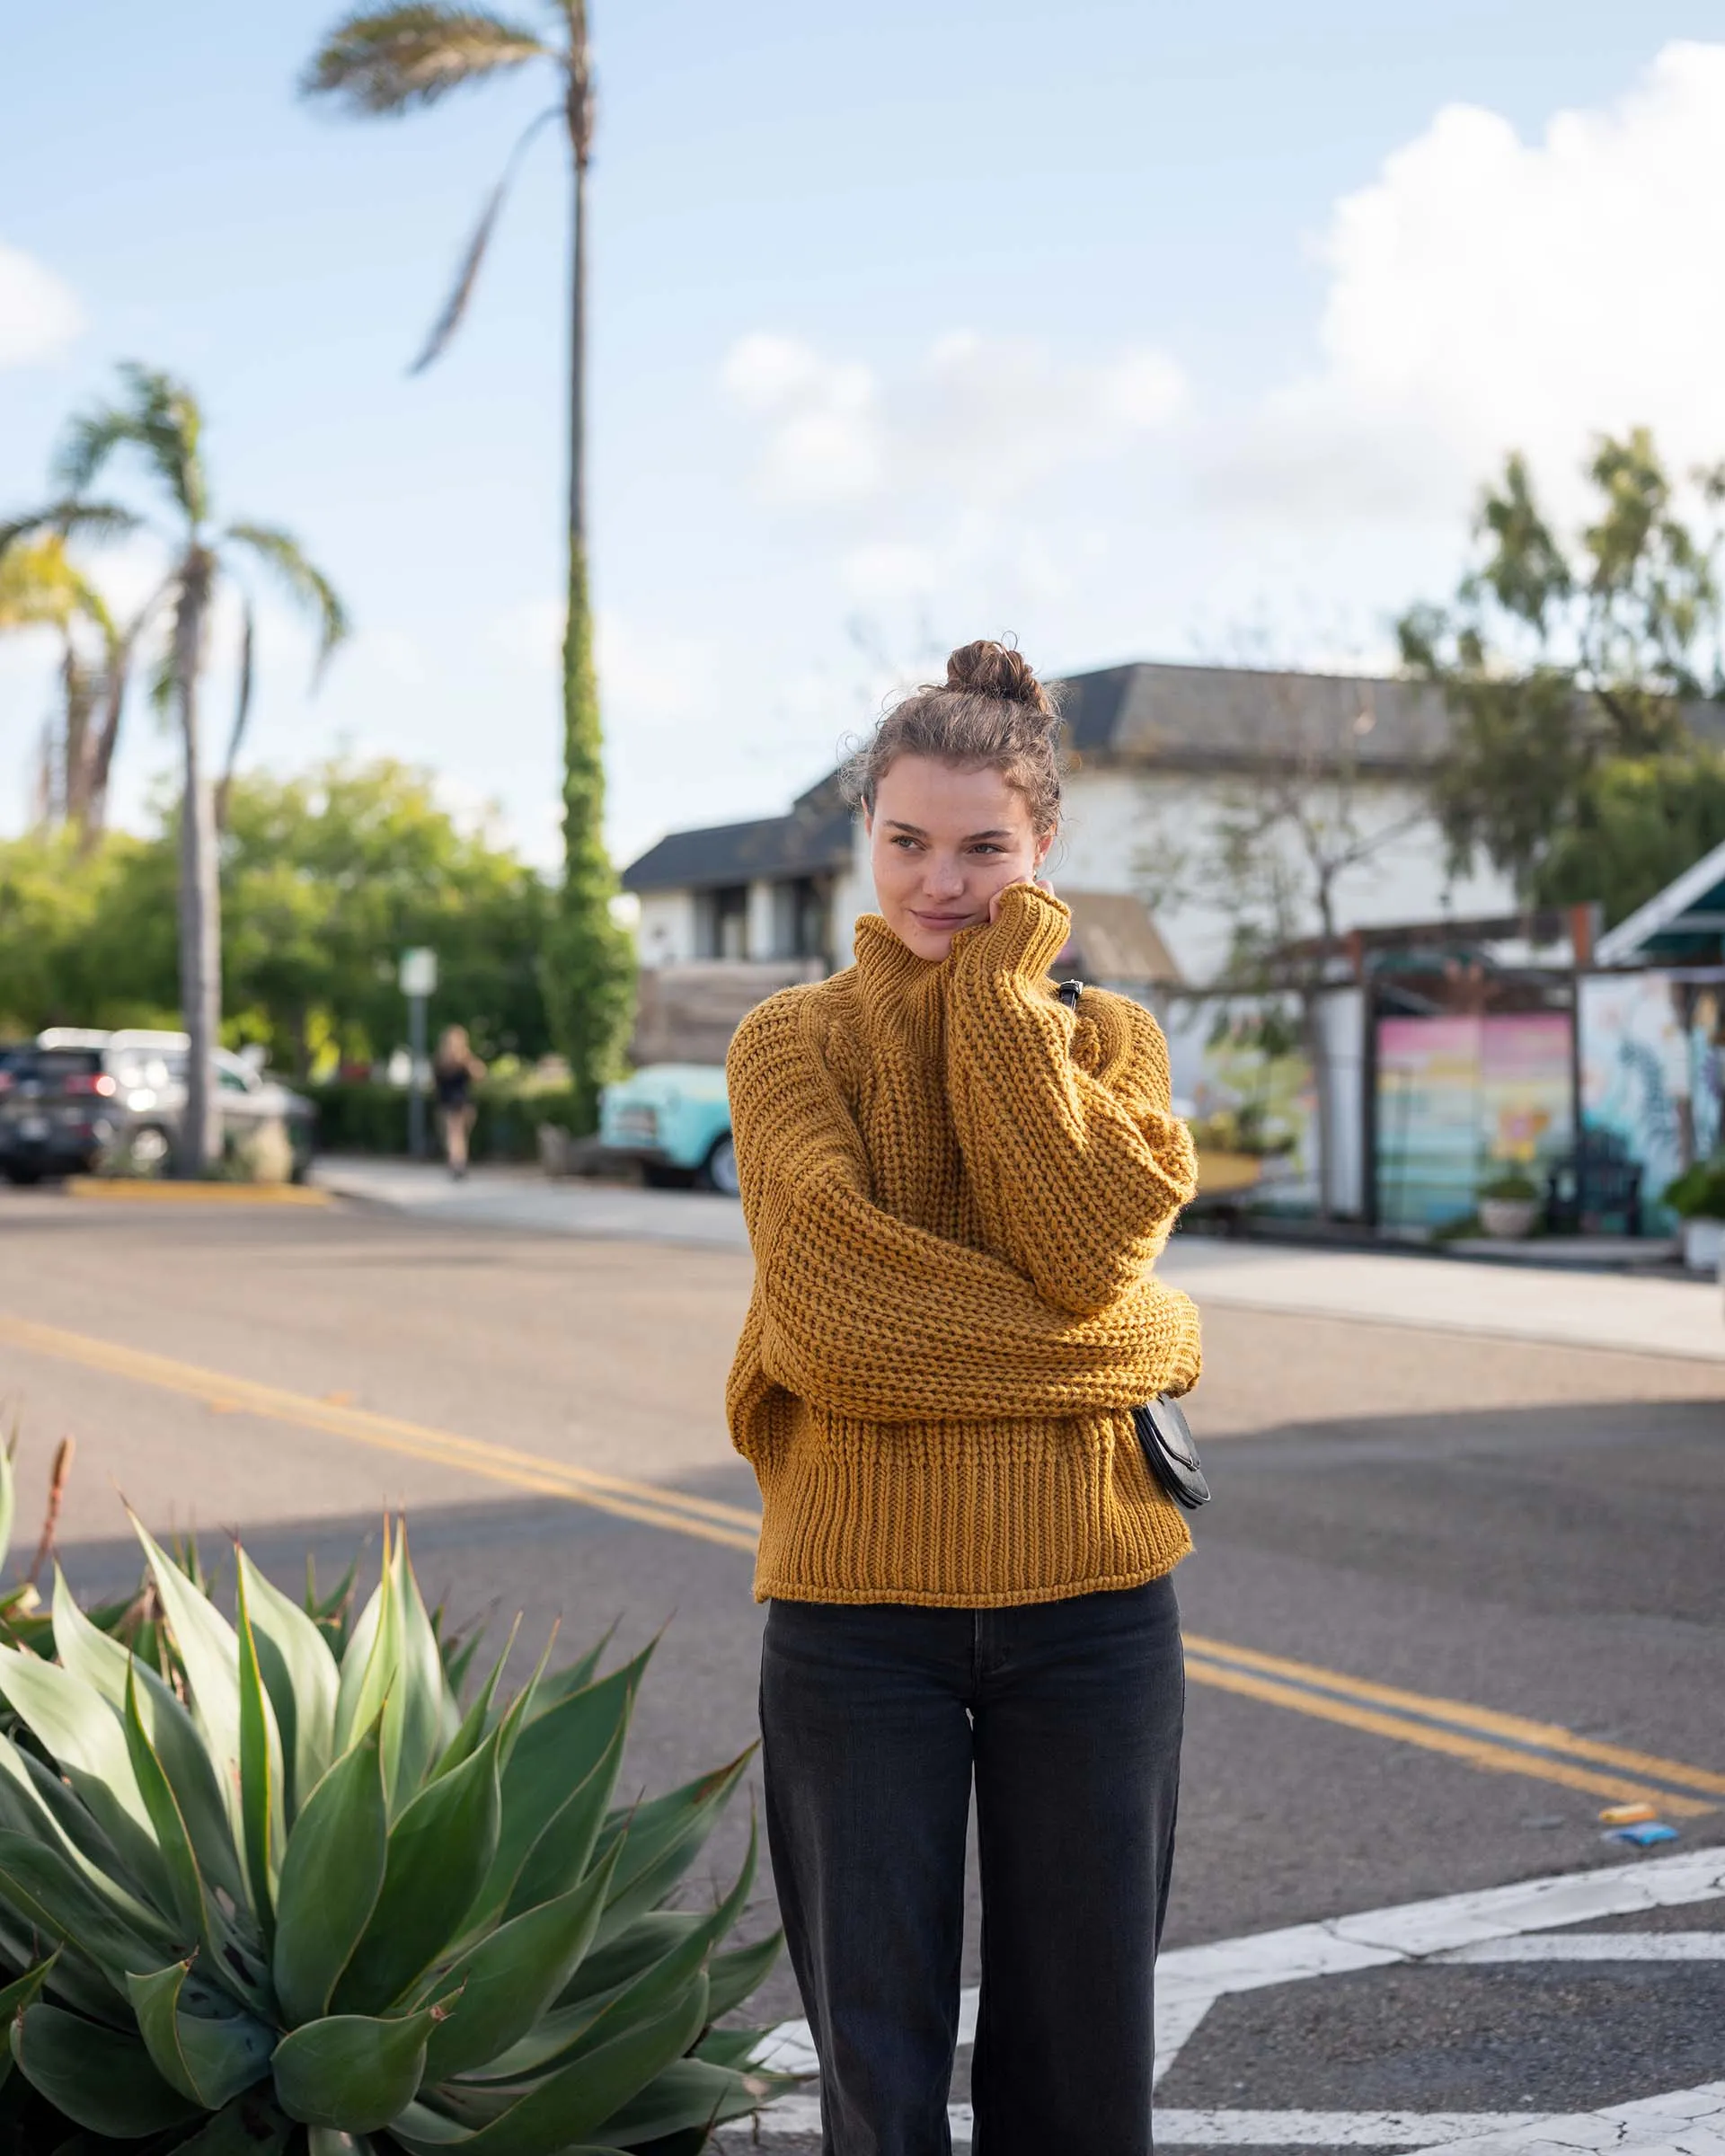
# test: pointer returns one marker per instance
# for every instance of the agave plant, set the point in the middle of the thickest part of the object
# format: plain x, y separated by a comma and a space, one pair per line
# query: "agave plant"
298, 1899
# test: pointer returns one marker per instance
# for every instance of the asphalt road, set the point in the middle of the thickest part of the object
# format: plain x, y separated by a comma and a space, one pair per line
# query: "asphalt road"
1455, 1594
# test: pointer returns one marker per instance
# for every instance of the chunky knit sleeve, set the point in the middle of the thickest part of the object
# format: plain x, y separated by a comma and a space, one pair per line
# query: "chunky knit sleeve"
863, 1314
1079, 1164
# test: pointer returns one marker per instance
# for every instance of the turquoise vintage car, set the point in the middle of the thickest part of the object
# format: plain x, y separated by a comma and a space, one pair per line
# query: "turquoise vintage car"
675, 1119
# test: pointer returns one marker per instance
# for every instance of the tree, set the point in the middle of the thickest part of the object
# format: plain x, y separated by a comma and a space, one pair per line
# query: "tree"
159, 419
41, 586
326, 877
1300, 816
331, 874
394, 60
1557, 662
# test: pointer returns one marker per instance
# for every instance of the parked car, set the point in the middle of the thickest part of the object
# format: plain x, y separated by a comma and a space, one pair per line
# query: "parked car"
144, 1096
675, 1119
57, 1113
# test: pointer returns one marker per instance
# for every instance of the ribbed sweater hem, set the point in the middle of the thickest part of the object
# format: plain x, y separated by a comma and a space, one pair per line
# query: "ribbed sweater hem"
1005, 1598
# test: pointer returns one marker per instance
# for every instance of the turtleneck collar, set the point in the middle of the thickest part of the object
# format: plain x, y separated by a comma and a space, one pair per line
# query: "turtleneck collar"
899, 987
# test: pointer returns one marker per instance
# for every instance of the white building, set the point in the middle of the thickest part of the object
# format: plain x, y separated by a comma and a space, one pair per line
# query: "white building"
1158, 756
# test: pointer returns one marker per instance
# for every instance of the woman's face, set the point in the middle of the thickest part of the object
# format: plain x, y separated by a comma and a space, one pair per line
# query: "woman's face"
943, 841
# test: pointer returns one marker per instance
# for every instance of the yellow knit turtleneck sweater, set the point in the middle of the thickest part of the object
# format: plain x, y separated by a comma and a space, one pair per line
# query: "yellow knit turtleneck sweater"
955, 1189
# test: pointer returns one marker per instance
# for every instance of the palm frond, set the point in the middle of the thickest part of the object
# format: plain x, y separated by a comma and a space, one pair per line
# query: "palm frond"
69, 518
306, 584
454, 307
157, 415
38, 587
242, 711
398, 60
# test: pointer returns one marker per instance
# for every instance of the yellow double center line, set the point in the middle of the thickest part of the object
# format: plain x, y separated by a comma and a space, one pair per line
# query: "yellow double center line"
1477, 1736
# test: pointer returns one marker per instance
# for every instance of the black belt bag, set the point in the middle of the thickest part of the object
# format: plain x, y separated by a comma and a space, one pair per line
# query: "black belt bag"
1168, 1445
1170, 1448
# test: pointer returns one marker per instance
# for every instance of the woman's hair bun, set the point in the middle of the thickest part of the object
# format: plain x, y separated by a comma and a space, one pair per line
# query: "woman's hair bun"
987, 668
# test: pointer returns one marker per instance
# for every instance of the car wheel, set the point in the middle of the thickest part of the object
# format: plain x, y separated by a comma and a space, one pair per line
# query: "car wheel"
718, 1172
23, 1176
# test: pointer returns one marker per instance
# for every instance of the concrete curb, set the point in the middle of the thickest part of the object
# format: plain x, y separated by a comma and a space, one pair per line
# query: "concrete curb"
141, 1191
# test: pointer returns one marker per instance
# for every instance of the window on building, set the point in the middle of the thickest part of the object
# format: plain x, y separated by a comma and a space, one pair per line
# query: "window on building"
721, 922
799, 918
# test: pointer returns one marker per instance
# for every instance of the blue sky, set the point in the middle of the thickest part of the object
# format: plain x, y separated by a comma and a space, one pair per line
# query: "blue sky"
1141, 330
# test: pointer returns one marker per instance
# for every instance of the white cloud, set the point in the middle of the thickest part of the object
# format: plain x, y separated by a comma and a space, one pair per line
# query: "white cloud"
1486, 293
38, 314
980, 421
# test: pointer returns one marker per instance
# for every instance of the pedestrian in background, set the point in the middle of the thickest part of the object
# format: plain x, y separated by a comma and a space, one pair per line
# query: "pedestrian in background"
956, 1187
455, 1071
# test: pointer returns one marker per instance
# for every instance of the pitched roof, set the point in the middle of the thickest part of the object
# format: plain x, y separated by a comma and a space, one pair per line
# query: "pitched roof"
1177, 717
1222, 718
815, 837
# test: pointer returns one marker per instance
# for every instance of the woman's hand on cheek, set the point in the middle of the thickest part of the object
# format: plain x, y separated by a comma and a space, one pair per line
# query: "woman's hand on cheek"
1035, 883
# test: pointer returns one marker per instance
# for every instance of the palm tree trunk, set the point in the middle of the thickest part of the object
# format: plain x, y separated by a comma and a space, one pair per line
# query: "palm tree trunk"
588, 971
201, 896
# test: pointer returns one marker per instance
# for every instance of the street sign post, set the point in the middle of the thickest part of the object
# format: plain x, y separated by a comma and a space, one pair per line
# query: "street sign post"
418, 978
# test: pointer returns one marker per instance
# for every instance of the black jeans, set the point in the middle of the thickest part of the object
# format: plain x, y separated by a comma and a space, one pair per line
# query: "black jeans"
1068, 1714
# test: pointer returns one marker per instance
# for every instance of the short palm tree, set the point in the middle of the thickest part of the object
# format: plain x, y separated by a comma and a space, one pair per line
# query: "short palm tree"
41, 587
159, 419
393, 60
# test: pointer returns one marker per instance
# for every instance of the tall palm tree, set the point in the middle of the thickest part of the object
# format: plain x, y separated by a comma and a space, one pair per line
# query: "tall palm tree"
393, 60
158, 420
41, 587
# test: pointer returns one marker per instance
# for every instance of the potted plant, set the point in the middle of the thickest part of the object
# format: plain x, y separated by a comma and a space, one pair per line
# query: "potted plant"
1509, 1206
1697, 1197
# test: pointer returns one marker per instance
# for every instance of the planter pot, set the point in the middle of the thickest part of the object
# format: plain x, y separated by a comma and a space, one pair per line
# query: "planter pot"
1508, 1219
1704, 1245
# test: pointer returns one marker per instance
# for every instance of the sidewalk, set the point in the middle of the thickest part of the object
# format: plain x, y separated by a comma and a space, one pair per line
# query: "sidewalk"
1527, 1302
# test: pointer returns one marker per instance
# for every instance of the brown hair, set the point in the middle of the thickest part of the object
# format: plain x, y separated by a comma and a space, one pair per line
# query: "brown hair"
990, 713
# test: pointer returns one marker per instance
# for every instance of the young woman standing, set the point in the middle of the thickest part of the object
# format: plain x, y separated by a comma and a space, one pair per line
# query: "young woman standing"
956, 1188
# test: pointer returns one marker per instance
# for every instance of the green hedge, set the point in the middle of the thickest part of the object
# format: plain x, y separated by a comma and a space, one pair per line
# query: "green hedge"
360, 1116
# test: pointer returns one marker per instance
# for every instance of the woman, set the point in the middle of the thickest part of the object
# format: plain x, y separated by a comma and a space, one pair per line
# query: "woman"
955, 1189
455, 1070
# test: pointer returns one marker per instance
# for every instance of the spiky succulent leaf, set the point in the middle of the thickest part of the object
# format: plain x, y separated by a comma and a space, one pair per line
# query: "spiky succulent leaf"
690, 2093
413, 1718
664, 1838
251, 2125
40, 1885
471, 1729
574, 2031
15, 1997
210, 1652
575, 2103
440, 1850
739, 1975
552, 1762
351, 2071
209, 2058
497, 1991
301, 1674
260, 1775
331, 1879
373, 1658
189, 1901
80, 1732
564, 1851
109, 1668
8, 1488
101, 2078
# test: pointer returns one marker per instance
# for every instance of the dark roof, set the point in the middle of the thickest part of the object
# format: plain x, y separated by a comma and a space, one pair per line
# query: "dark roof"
815, 838
1176, 717
1219, 718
